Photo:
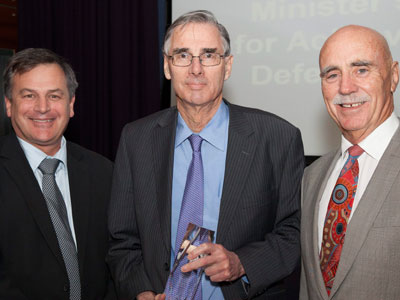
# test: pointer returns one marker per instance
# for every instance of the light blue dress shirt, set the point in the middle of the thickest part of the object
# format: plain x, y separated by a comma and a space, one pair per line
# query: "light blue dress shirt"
35, 156
213, 152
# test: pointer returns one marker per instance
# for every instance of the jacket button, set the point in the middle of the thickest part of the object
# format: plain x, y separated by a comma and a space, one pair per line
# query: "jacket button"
66, 288
166, 266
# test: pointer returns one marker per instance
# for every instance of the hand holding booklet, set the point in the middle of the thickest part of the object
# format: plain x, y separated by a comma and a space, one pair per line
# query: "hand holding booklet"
183, 286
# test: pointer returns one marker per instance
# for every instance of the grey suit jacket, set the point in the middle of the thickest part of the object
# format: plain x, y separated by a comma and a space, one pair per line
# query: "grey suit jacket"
259, 212
369, 266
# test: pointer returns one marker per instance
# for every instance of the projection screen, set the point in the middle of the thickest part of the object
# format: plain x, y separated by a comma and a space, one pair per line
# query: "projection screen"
276, 44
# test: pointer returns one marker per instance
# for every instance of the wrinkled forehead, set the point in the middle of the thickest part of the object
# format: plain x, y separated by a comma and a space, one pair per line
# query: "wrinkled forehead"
348, 47
196, 36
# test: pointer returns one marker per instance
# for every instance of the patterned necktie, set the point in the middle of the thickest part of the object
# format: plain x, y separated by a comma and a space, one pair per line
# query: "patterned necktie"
191, 212
58, 214
337, 217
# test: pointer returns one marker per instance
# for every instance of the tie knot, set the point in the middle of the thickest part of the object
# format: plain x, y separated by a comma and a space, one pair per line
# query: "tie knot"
195, 141
49, 165
355, 151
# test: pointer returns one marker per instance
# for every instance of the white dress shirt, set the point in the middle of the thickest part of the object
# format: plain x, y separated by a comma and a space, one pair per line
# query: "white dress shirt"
374, 145
35, 156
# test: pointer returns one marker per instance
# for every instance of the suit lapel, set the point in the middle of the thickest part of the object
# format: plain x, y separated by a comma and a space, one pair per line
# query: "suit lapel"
80, 187
163, 137
368, 208
319, 187
240, 153
21, 173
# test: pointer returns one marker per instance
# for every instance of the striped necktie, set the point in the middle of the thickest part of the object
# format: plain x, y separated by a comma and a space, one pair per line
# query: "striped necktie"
58, 214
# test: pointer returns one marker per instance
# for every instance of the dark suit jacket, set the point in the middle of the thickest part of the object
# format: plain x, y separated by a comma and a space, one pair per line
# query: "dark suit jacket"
259, 212
31, 263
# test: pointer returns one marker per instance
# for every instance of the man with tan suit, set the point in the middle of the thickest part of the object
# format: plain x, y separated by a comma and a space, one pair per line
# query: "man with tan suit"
350, 232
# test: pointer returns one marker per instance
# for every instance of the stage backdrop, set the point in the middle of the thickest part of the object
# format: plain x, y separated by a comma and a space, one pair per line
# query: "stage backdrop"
5, 124
276, 44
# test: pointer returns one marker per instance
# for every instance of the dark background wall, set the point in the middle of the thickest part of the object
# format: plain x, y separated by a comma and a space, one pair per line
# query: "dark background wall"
8, 43
114, 48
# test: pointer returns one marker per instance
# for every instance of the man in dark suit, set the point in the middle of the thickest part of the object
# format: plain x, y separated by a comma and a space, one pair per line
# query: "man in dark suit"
53, 231
252, 163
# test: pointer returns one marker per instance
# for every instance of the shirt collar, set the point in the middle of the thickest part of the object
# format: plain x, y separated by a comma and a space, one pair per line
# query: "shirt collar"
214, 132
35, 156
377, 141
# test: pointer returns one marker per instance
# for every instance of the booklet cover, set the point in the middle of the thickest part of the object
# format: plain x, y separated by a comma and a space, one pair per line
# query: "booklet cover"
183, 286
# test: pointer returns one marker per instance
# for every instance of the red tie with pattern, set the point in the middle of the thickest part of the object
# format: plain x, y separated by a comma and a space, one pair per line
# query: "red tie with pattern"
337, 217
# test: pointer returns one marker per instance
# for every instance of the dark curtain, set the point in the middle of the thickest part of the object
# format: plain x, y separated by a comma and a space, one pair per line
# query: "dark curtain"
113, 47
5, 124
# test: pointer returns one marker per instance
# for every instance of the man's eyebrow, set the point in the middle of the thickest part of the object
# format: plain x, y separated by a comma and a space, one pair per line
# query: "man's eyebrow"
208, 50
358, 63
56, 91
204, 50
179, 50
361, 63
26, 90
327, 69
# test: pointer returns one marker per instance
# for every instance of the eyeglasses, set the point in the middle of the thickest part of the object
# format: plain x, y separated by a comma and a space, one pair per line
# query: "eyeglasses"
185, 59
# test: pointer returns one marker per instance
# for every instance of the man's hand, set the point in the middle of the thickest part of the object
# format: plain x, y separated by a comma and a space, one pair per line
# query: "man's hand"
148, 295
218, 263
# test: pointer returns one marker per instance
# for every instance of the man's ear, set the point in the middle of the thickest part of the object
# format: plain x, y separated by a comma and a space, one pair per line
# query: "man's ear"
395, 76
71, 107
167, 72
8, 106
228, 66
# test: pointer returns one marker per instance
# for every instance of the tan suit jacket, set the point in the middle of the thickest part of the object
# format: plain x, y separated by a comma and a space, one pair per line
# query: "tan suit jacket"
369, 267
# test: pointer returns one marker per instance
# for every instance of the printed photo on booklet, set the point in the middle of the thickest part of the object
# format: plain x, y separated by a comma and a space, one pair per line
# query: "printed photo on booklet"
180, 285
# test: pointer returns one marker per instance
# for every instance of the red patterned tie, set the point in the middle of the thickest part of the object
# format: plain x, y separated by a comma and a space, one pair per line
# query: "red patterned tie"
337, 217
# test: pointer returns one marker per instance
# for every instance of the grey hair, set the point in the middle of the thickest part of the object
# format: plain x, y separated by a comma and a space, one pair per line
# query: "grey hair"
27, 59
198, 16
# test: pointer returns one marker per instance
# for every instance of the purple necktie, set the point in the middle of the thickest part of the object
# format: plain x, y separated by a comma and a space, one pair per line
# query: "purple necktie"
191, 212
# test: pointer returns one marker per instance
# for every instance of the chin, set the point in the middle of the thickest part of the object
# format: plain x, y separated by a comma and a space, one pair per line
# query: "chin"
44, 139
194, 102
353, 123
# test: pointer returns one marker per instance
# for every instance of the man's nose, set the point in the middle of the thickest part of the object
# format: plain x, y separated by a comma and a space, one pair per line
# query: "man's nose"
347, 84
196, 68
42, 104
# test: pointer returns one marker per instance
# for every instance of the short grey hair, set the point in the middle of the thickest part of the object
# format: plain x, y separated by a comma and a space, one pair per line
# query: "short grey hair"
27, 59
198, 16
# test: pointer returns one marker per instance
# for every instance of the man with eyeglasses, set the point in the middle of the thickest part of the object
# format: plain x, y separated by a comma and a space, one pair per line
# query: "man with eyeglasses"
233, 170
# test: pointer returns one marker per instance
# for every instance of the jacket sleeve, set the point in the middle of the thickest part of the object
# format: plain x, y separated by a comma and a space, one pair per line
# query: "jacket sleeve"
125, 253
269, 261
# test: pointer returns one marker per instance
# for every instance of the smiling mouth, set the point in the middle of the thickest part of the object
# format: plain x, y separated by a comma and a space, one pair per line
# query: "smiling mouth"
42, 121
196, 83
351, 105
